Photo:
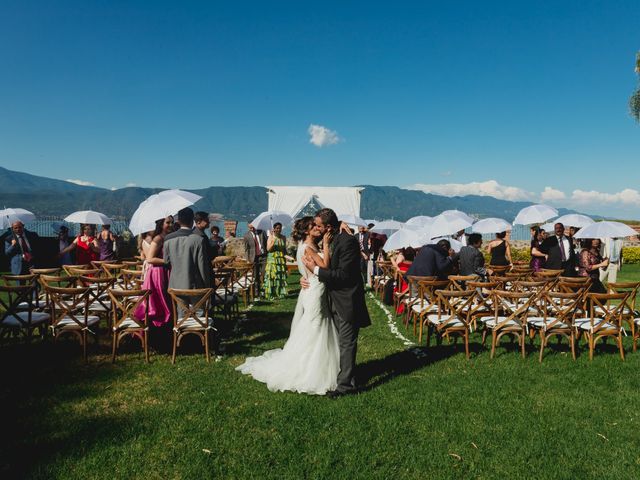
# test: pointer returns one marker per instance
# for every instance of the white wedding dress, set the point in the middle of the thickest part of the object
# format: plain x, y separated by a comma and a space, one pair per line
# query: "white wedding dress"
310, 360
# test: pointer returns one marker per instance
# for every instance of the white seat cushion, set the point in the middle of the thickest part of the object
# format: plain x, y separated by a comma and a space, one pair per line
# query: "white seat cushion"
636, 321
448, 319
493, 322
539, 322
68, 322
191, 323
127, 323
585, 324
36, 318
424, 308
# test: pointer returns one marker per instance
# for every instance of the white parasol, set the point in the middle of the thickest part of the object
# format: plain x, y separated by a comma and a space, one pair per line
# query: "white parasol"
158, 206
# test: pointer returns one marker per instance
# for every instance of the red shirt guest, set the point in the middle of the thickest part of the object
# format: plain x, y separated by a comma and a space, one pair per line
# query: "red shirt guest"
85, 245
402, 262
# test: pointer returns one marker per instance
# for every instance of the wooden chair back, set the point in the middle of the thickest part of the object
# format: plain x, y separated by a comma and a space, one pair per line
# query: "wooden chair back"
131, 279
458, 282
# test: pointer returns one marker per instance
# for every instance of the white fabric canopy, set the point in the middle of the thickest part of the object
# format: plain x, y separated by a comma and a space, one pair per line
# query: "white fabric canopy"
342, 200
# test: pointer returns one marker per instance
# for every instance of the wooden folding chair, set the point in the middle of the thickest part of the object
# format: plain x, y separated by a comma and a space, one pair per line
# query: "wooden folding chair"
124, 322
510, 316
131, 279
499, 270
558, 311
428, 304
482, 303
412, 297
113, 270
98, 301
17, 312
191, 316
69, 314
243, 281
630, 315
72, 270
453, 317
458, 282
605, 319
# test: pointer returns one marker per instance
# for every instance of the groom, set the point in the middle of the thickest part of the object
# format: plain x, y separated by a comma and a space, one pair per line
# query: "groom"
346, 295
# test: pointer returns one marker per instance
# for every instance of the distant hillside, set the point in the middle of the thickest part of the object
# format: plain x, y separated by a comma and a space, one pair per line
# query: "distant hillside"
47, 196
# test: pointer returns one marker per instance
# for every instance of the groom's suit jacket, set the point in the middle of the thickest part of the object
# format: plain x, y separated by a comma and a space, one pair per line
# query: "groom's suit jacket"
344, 281
186, 254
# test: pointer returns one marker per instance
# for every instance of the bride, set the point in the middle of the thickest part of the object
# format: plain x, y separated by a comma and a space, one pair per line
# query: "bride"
310, 360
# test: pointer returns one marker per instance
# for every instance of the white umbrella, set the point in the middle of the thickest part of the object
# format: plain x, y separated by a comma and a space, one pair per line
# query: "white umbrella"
458, 213
265, 220
535, 214
11, 215
491, 225
160, 205
574, 220
387, 227
606, 230
448, 223
402, 239
352, 220
88, 216
455, 244
419, 221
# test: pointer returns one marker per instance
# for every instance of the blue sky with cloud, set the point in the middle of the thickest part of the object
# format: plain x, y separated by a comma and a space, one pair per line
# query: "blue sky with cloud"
520, 100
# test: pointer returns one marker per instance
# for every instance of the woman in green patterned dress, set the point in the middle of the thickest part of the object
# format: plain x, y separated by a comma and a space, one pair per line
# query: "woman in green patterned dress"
275, 274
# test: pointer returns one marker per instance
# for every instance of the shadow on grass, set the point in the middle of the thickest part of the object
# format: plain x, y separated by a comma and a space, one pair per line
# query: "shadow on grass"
377, 372
36, 380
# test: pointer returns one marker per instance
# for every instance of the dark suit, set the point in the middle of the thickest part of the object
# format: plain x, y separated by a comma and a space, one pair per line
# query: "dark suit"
259, 261
431, 261
346, 294
471, 262
363, 243
19, 266
554, 261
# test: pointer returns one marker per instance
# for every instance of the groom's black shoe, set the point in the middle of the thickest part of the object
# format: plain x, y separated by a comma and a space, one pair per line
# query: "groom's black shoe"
333, 394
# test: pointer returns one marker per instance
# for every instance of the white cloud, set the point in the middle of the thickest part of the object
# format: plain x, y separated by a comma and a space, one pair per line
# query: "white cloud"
84, 183
114, 189
550, 194
628, 196
490, 188
322, 136
131, 184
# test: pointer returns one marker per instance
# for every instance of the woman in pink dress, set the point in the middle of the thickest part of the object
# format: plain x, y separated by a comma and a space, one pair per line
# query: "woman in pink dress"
156, 278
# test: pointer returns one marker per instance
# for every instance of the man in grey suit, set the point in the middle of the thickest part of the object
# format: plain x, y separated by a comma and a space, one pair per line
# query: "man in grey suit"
186, 253
471, 259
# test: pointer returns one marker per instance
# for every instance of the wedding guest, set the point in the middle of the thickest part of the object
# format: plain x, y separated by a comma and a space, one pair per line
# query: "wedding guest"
500, 250
106, 244
363, 241
433, 261
590, 263
85, 246
256, 253
156, 276
612, 251
215, 242
575, 243
63, 242
560, 255
201, 225
19, 247
402, 261
471, 258
537, 257
275, 273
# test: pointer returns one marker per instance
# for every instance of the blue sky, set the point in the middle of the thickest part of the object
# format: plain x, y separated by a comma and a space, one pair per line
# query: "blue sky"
515, 96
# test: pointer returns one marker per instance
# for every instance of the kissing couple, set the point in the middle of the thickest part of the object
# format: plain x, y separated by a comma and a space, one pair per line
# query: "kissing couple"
319, 356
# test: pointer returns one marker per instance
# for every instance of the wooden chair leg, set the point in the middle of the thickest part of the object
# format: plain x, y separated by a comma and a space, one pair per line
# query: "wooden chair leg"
572, 340
493, 343
175, 344
591, 346
543, 339
620, 347
113, 347
466, 343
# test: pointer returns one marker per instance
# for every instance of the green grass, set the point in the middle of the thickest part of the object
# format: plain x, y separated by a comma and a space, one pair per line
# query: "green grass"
431, 416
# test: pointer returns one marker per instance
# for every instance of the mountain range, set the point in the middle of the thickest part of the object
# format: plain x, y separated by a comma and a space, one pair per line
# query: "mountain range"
51, 197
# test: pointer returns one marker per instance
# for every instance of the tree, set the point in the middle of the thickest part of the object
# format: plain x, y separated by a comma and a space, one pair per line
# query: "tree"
634, 101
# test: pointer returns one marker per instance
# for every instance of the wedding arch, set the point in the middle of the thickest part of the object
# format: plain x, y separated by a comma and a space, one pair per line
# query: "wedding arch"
294, 200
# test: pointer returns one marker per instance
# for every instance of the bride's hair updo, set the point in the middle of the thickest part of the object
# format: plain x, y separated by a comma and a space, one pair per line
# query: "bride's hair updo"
301, 228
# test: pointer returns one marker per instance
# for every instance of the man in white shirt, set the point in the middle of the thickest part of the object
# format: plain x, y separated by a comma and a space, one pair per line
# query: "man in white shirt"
611, 249
256, 253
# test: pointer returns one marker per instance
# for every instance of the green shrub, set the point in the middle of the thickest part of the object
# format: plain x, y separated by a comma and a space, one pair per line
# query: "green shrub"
631, 254
517, 255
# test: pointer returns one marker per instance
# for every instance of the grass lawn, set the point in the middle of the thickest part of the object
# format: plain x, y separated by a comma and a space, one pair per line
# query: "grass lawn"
424, 413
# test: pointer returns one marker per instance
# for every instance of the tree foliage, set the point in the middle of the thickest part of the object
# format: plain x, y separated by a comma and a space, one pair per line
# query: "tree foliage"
634, 101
